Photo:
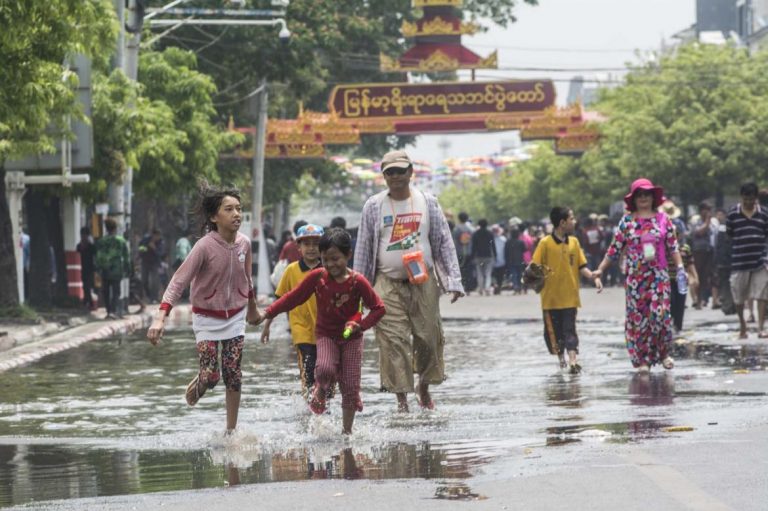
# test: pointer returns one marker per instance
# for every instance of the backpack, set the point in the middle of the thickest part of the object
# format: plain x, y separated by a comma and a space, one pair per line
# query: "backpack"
109, 257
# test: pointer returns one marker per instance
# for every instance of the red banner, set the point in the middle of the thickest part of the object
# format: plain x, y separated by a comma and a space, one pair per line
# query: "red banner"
455, 99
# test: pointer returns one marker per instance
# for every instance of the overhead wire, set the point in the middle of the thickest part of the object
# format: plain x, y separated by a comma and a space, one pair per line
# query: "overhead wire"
243, 98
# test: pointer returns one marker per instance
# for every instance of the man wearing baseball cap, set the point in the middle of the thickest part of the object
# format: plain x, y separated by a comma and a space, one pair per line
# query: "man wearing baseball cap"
405, 247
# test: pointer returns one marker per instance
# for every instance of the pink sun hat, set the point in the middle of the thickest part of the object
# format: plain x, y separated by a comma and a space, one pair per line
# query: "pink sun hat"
644, 184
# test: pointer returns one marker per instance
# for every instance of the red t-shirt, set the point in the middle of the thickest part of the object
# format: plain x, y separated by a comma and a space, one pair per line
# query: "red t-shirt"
337, 302
290, 252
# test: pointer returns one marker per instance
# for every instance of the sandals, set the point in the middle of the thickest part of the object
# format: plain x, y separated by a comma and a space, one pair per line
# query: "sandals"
194, 392
668, 363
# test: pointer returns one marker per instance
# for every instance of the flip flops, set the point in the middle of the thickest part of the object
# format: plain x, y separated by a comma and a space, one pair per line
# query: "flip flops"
194, 392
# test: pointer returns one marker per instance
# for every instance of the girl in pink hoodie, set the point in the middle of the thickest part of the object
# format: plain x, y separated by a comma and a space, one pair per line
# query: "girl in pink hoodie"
218, 269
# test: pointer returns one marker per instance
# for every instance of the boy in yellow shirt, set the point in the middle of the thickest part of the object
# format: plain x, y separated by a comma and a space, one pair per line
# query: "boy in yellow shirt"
561, 253
302, 319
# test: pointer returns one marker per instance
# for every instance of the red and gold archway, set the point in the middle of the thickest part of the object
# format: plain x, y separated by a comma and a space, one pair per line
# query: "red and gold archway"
429, 108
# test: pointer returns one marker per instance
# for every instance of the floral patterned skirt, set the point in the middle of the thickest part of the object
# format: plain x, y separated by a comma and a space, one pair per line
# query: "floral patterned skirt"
648, 325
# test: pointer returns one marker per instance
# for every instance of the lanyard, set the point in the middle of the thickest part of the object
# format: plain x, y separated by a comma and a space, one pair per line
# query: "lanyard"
392, 205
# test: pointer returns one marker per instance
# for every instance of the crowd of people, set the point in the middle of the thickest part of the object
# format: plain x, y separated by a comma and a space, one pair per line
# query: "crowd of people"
406, 253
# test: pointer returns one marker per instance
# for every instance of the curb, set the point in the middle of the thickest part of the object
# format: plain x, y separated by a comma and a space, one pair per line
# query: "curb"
24, 335
33, 351
68, 338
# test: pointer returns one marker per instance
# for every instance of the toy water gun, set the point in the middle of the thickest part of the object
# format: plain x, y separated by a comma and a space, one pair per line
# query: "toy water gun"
354, 319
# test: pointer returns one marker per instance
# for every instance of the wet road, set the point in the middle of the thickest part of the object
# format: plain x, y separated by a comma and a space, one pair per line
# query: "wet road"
109, 418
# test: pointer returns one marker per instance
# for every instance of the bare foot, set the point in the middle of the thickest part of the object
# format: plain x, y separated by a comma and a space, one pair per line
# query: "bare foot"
743, 334
425, 399
402, 402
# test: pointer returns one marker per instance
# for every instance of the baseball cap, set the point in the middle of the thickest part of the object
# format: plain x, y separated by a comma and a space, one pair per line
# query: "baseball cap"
309, 231
398, 159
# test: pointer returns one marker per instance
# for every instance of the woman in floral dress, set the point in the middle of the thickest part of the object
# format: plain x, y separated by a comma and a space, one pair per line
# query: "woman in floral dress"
647, 237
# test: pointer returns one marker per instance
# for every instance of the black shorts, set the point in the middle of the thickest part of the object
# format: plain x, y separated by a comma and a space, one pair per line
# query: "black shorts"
560, 330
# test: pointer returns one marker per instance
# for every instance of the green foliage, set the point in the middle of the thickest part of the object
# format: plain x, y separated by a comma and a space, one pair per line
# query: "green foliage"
695, 122
333, 42
173, 157
164, 127
532, 188
19, 313
500, 11
34, 90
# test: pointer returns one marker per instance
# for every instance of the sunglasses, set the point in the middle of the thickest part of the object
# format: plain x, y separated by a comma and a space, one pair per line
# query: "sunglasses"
396, 171
643, 193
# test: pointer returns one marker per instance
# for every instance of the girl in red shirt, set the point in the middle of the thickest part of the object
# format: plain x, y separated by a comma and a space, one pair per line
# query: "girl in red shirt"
338, 291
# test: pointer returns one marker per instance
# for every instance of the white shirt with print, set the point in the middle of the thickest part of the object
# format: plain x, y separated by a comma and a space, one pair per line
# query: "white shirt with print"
404, 228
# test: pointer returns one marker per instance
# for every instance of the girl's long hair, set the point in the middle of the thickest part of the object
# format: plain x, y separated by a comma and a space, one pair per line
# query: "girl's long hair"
210, 199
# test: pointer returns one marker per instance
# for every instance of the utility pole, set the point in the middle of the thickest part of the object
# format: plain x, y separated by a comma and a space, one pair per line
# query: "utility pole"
126, 59
131, 69
263, 285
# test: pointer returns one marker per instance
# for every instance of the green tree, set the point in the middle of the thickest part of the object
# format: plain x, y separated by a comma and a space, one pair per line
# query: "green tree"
695, 122
333, 42
127, 126
36, 92
530, 189
173, 159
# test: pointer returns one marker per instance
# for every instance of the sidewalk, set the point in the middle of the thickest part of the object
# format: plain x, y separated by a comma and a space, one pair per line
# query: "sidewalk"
25, 344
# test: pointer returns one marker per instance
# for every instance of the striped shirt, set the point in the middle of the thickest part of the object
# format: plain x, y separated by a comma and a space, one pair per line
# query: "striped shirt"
748, 238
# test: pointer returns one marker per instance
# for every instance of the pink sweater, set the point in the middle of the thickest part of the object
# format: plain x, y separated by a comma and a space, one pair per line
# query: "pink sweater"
219, 274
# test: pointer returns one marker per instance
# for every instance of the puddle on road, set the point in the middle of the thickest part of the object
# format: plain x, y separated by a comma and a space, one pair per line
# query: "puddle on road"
45, 472
741, 356
109, 418
621, 432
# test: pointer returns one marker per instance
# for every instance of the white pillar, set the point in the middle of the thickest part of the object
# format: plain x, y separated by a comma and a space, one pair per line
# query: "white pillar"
72, 221
14, 190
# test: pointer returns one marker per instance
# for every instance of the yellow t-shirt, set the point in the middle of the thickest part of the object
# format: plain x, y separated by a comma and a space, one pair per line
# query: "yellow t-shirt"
565, 259
302, 319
